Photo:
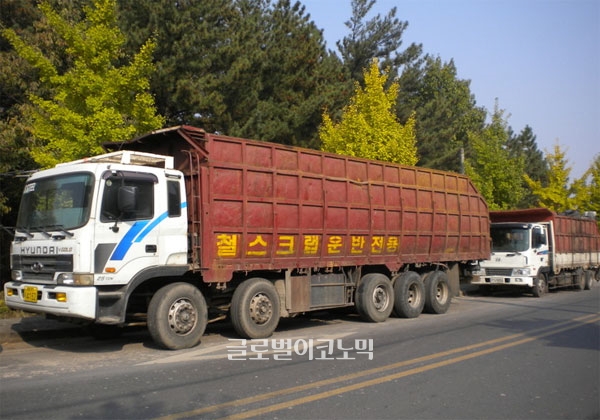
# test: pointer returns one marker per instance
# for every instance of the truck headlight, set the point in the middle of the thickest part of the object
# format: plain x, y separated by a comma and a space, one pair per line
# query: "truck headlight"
478, 272
16, 275
521, 272
76, 279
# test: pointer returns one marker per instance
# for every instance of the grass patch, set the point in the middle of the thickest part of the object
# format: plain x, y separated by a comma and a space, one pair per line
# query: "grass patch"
7, 313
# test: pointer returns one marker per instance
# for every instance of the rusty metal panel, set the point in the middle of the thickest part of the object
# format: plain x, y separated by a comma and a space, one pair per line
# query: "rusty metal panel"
299, 292
263, 206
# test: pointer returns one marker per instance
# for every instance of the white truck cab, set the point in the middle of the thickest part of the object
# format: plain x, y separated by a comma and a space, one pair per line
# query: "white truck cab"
519, 252
86, 230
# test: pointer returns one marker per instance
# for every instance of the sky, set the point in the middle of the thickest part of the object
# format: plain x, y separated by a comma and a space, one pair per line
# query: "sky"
539, 60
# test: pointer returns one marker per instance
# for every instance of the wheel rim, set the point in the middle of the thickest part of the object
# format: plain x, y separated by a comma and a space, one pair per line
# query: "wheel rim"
414, 297
441, 292
182, 317
261, 309
381, 299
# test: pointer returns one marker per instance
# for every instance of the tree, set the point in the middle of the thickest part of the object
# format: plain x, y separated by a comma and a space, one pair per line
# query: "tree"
445, 111
586, 190
250, 68
557, 195
497, 175
298, 79
191, 54
94, 100
536, 168
368, 127
17, 79
377, 37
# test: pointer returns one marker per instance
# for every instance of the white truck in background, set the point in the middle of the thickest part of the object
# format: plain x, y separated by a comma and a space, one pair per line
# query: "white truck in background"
537, 250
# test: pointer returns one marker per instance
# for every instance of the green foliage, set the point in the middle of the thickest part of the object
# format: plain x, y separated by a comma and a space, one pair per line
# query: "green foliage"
587, 190
297, 79
377, 37
557, 195
445, 111
536, 168
94, 100
248, 68
368, 127
497, 175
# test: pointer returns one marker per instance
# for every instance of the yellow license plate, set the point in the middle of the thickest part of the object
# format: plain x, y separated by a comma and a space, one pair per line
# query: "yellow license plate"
30, 294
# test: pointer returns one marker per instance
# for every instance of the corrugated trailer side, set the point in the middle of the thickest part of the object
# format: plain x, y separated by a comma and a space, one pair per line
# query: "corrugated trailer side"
577, 242
272, 207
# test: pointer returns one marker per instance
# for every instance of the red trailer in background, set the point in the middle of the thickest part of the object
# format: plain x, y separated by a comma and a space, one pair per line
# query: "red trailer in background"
271, 230
540, 249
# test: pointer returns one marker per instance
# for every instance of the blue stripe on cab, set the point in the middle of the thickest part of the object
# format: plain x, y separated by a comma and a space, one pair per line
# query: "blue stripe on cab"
127, 240
137, 233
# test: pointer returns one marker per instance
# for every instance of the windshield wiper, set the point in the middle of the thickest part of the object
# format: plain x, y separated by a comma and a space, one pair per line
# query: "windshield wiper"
41, 229
25, 231
45, 230
62, 229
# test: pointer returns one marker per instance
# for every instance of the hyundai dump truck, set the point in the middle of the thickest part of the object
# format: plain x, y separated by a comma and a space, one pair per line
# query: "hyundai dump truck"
537, 249
180, 227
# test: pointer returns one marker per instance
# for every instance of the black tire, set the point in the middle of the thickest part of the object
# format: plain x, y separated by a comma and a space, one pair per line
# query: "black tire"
255, 308
437, 292
588, 276
374, 297
177, 316
409, 295
540, 285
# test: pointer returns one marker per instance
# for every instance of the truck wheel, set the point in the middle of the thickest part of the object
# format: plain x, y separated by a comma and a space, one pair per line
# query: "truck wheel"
177, 316
437, 292
588, 275
255, 308
409, 295
374, 297
540, 285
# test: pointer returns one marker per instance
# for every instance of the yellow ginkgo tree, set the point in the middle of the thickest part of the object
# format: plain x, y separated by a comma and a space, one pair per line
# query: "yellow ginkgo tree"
98, 97
368, 127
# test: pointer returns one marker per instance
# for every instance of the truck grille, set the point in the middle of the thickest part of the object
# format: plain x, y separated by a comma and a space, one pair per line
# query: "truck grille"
41, 268
498, 271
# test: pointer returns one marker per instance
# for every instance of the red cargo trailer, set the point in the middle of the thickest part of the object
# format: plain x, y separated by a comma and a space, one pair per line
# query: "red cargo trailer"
274, 230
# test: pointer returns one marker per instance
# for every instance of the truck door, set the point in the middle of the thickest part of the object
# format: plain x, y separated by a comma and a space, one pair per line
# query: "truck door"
540, 246
124, 242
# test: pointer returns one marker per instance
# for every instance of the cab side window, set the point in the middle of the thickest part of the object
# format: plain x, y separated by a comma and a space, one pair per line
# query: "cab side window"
174, 198
141, 186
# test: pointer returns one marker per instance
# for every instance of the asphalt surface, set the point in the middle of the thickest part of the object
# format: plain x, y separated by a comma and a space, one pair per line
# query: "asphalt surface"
36, 327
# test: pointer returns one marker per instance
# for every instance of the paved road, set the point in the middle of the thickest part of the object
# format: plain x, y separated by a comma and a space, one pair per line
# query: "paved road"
500, 357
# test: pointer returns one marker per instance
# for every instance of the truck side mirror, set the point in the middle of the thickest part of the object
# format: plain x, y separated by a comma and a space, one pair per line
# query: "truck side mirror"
127, 199
539, 238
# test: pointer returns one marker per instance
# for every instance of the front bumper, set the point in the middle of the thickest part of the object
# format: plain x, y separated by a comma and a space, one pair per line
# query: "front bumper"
517, 281
81, 302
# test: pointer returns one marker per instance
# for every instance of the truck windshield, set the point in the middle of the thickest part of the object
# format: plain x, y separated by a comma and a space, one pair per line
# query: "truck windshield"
54, 203
509, 239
